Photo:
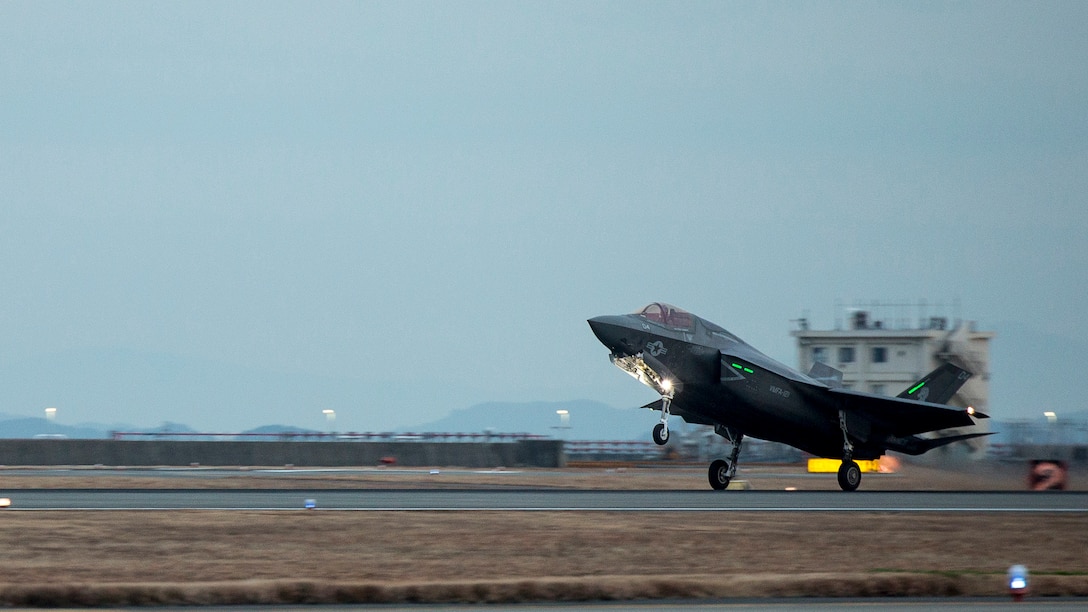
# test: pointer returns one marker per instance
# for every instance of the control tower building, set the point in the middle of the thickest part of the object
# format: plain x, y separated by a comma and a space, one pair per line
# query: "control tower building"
885, 355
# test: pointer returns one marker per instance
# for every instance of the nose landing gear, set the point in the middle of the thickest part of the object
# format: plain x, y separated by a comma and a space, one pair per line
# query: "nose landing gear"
661, 430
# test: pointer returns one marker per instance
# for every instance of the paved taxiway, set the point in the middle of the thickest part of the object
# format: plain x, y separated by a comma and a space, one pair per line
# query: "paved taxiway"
545, 500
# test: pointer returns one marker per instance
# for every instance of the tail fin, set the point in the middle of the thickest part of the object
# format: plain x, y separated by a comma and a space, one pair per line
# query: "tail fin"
826, 374
938, 386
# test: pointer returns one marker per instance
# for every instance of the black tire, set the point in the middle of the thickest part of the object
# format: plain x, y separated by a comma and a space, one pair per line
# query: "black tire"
719, 474
849, 476
661, 435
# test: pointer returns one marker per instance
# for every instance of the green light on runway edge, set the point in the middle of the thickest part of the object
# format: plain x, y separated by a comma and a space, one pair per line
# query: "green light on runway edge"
916, 387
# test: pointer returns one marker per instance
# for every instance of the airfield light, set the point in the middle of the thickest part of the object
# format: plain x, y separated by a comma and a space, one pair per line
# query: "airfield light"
1051, 417
50, 413
564, 419
1018, 582
310, 504
5, 502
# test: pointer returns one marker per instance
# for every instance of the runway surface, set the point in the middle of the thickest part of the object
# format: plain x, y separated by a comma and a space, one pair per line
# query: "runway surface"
529, 500
875, 604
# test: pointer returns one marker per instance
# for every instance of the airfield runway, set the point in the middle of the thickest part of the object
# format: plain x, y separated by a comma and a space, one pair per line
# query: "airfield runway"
530, 500
564, 517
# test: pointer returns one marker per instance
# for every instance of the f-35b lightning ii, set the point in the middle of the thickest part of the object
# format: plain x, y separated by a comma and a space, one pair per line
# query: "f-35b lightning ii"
708, 376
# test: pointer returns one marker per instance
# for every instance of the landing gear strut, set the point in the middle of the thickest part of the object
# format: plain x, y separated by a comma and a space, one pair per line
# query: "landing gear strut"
849, 471
661, 430
722, 471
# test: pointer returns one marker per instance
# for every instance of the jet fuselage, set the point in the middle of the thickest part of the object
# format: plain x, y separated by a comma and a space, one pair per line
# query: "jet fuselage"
710, 376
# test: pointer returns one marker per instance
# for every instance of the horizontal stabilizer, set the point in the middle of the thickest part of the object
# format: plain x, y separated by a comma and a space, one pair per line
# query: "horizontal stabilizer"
917, 446
826, 374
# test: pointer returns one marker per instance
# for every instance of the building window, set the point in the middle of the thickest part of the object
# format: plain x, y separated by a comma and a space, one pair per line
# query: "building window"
846, 354
878, 389
880, 354
819, 353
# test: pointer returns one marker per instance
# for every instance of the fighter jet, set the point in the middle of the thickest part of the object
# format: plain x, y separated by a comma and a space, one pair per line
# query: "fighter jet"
708, 376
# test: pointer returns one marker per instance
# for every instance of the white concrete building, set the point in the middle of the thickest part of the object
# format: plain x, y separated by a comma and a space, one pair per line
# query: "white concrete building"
885, 359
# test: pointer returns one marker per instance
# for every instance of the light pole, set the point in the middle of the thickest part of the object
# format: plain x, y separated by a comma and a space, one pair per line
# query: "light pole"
1052, 420
564, 421
50, 416
330, 418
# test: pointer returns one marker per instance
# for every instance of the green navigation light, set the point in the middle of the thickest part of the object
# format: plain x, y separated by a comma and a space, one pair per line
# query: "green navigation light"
916, 387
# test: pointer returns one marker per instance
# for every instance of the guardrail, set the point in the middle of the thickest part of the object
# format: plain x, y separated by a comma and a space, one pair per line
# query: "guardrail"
575, 448
253, 452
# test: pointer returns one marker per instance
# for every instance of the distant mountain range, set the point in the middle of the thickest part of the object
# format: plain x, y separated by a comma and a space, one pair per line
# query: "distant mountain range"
584, 420
126, 386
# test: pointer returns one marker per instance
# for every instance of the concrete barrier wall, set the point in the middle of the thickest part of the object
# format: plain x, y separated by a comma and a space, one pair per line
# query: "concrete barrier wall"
523, 453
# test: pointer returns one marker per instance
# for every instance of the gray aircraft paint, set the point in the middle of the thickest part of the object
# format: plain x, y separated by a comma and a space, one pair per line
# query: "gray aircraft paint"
711, 377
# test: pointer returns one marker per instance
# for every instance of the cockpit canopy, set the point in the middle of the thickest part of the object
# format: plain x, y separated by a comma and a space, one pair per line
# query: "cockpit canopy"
669, 316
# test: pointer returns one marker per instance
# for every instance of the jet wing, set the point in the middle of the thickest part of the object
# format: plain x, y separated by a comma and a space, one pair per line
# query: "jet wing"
678, 410
904, 417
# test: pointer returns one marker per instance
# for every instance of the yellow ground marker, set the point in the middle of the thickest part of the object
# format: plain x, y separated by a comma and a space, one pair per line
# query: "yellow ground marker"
830, 466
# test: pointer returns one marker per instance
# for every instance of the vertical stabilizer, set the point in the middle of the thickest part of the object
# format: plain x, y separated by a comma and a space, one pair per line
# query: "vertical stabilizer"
826, 374
938, 386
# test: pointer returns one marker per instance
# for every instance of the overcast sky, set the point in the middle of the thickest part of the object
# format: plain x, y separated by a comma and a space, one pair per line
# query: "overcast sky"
430, 199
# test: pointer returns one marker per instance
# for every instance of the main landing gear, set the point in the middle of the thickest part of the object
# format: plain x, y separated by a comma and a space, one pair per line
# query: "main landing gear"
849, 475
722, 471
849, 471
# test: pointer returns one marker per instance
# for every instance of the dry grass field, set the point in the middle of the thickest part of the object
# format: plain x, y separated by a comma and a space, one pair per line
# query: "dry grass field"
195, 557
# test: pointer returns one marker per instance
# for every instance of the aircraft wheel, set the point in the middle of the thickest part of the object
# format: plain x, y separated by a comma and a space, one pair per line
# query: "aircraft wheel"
719, 474
849, 476
661, 435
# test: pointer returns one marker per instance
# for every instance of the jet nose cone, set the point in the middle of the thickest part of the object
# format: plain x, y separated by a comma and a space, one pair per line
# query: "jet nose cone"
599, 327
611, 332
